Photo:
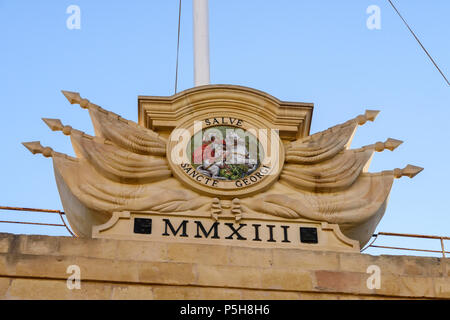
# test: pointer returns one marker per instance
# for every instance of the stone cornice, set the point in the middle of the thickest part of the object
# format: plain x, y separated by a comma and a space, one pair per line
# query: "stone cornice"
293, 119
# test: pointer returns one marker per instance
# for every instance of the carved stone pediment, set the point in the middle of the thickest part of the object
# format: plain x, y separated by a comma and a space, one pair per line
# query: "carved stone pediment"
221, 164
163, 114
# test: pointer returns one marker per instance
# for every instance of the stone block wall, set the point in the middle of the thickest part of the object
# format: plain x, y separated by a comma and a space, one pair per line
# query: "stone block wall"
35, 267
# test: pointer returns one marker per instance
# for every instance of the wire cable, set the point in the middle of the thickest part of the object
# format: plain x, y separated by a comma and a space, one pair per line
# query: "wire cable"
178, 47
417, 39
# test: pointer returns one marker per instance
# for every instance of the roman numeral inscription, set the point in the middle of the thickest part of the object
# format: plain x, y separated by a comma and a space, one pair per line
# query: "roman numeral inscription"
203, 229
172, 229
206, 234
235, 231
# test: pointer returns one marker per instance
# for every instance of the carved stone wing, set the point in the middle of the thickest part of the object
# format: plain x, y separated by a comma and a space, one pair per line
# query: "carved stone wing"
122, 168
111, 161
324, 180
326, 144
123, 133
337, 173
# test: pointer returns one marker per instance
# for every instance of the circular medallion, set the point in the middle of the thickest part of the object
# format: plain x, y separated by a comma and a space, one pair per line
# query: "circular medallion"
225, 156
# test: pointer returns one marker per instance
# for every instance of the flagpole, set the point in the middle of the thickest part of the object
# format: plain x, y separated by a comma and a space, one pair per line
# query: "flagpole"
201, 42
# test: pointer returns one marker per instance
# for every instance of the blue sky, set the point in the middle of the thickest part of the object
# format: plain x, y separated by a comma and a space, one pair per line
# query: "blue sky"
297, 50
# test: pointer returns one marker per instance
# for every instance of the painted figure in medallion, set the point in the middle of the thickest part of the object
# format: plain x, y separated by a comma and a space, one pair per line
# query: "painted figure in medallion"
232, 158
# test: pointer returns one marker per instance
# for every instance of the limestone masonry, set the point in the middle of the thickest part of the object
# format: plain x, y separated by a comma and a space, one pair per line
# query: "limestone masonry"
34, 267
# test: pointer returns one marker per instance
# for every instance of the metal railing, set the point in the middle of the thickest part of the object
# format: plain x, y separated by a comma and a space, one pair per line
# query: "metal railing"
407, 235
371, 245
60, 213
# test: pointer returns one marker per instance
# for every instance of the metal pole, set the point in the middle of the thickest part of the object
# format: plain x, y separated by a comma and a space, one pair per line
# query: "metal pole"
201, 42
